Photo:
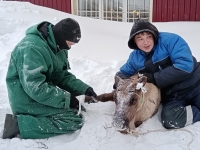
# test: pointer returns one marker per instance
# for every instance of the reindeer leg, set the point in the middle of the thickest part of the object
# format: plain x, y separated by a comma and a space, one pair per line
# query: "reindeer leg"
132, 124
102, 98
106, 97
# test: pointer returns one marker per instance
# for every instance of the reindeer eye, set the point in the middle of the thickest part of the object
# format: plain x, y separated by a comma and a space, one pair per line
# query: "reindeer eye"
133, 90
133, 100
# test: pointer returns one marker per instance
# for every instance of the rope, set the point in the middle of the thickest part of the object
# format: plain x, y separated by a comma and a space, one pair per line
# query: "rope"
141, 100
143, 89
132, 132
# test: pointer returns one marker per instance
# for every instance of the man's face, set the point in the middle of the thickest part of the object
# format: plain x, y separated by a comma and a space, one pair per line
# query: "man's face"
144, 41
69, 43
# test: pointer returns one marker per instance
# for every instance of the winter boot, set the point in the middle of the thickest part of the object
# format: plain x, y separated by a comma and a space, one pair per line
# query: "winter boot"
11, 128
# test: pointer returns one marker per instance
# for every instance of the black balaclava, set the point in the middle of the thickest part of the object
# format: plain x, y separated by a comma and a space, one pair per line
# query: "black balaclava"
142, 26
66, 29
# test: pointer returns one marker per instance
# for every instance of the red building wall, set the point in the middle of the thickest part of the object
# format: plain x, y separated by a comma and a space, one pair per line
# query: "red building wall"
62, 5
163, 10
176, 10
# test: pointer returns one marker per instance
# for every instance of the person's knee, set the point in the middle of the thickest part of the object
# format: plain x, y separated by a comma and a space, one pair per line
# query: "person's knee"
174, 117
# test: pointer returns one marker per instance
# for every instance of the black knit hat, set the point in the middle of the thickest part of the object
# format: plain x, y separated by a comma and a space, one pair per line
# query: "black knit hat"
141, 26
66, 29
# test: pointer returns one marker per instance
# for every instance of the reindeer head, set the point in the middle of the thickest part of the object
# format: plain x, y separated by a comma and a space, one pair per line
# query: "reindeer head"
127, 98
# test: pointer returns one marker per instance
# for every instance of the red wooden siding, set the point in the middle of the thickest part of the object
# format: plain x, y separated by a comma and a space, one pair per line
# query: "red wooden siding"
176, 10
62, 5
198, 10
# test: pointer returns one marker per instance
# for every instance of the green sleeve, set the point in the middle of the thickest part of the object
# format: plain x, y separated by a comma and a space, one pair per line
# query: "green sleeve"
73, 85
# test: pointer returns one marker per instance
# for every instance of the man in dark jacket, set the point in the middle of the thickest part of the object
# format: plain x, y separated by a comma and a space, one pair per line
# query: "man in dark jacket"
41, 91
167, 61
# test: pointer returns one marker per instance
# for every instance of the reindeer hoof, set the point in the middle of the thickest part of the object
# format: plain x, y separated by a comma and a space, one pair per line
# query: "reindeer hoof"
124, 132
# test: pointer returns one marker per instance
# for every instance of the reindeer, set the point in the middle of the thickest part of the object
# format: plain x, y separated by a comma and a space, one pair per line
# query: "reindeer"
136, 101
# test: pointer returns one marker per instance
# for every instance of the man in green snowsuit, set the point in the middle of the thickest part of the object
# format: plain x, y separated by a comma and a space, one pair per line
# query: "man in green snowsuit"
42, 93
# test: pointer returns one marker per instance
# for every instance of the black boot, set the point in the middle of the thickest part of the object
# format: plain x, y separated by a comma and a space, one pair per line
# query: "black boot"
11, 128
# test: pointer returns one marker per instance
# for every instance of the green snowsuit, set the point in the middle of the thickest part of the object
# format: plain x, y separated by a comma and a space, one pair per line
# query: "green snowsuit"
39, 87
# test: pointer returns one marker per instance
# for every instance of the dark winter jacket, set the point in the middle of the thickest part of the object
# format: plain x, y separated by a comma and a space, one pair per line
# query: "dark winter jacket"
38, 77
171, 62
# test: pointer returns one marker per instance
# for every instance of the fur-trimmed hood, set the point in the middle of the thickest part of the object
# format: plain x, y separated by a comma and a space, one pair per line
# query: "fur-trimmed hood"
142, 26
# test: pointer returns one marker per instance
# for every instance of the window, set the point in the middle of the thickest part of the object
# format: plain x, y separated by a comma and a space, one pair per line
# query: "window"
115, 10
88, 8
138, 9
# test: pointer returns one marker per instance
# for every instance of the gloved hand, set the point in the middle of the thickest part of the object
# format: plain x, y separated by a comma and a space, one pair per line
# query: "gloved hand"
90, 92
150, 78
74, 103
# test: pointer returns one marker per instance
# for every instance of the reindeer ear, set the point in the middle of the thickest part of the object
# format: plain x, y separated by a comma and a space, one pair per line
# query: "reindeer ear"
142, 79
117, 80
134, 81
